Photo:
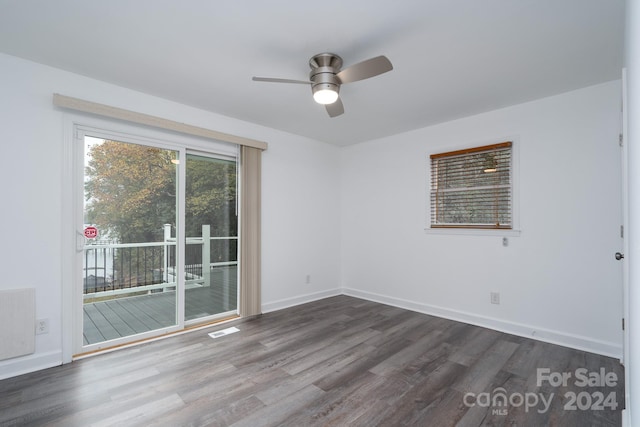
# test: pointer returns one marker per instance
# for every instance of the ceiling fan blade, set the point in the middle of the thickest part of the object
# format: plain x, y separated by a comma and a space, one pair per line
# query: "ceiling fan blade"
272, 80
365, 69
335, 109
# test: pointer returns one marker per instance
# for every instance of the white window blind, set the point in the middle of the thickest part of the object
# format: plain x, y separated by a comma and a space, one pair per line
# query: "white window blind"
472, 188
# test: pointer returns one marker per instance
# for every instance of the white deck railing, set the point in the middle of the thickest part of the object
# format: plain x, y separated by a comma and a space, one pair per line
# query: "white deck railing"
112, 269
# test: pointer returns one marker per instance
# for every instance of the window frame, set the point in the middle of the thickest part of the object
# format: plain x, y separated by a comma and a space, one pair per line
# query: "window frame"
467, 229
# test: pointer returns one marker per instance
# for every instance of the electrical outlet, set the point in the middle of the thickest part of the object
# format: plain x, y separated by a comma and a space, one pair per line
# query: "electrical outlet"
42, 326
495, 298
308, 279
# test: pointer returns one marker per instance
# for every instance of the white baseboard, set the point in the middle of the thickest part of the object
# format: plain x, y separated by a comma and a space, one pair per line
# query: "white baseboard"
528, 331
26, 364
300, 299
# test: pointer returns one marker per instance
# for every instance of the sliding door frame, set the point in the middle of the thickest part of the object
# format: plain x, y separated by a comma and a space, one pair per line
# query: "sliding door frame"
75, 125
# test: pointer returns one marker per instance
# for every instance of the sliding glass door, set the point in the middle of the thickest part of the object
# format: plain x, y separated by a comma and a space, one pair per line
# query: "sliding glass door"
159, 238
211, 244
128, 265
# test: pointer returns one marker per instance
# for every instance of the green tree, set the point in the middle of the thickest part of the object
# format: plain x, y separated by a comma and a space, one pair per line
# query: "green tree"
130, 190
211, 196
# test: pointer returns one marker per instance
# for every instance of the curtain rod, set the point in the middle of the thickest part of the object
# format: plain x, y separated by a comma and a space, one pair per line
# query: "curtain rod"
148, 120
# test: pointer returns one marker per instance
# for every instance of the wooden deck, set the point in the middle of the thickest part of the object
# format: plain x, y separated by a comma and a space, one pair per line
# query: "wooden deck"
122, 317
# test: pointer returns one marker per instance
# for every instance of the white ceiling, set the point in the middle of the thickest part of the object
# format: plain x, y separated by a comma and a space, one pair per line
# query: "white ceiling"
452, 58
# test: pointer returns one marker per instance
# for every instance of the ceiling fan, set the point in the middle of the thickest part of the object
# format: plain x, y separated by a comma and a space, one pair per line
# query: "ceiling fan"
326, 77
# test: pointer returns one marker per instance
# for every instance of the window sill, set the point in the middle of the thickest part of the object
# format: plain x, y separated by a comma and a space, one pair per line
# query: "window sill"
474, 232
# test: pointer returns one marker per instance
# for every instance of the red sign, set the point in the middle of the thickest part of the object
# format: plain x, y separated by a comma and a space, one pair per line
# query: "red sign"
90, 232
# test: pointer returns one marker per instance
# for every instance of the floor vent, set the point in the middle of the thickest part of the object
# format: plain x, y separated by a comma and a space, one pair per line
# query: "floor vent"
224, 332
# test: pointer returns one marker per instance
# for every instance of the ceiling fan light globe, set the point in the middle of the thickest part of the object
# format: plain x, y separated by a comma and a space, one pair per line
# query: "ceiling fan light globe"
325, 96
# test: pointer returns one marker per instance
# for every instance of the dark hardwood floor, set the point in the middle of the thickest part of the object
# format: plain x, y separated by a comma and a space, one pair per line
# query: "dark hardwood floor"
335, 362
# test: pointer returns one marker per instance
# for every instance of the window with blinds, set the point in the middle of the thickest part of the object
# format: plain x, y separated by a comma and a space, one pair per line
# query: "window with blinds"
472, 188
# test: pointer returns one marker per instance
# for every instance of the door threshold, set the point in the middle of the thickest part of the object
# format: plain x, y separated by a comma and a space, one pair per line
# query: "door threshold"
187, 329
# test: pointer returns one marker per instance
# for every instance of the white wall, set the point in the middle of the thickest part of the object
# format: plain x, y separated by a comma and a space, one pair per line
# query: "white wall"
300, 223
300, 210
558, 280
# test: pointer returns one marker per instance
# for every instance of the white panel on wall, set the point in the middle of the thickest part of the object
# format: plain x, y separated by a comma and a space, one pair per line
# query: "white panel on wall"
17, 322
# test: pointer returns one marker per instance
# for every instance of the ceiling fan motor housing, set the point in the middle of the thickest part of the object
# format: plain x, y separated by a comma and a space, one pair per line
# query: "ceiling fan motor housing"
324, 68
